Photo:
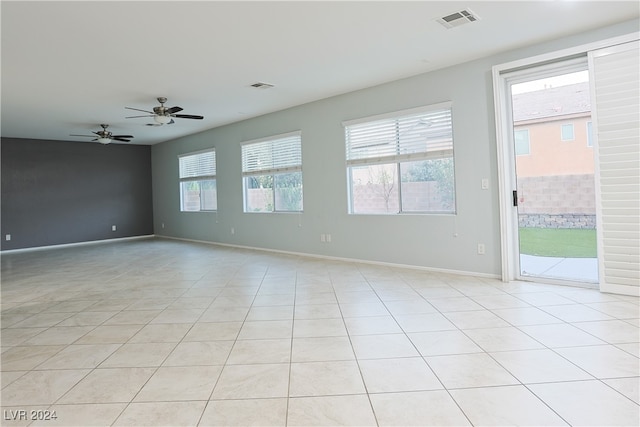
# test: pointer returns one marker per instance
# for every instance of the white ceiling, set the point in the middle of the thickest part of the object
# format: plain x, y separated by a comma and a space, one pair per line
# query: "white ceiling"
69, 66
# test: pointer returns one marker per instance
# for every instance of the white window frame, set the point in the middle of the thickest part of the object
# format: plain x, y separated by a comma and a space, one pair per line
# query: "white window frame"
283, 162
573, 132
412, 154
528, 142
589, 127
201, 174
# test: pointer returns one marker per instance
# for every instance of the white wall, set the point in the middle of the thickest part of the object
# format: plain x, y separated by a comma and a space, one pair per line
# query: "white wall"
447, 242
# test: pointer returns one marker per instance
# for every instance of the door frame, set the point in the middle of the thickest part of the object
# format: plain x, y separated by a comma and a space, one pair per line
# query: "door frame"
510, 264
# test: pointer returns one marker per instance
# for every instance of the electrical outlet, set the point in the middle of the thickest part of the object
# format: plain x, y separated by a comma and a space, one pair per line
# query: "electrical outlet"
163, 225
328, 238
233, 230
485, 184
481, 249
7, 237
113, 228
323, 238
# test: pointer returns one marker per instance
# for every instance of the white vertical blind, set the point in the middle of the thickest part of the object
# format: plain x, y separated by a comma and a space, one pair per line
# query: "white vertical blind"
616, 108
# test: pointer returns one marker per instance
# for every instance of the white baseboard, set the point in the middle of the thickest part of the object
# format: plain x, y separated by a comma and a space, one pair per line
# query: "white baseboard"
333, 258
71, 245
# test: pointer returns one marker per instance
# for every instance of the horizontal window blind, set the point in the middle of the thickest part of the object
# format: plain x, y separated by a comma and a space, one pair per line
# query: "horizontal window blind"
278, 155
419, 135
198, 165
617, 111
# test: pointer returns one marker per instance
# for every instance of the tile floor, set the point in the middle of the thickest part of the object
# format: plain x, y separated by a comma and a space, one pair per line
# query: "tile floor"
162, 332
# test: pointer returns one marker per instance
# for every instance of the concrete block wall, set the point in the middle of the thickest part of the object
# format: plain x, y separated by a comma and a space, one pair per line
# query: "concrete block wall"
558, 194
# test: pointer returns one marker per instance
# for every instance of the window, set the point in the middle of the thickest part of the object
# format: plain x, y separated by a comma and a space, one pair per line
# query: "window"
566, 132
522, 142
401, 162
198, 181
589, 134
272, 174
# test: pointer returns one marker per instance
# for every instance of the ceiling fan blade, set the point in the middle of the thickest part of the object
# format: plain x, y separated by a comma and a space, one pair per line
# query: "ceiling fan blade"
121, 136
187, 116
90, 136
173, 110
113, 138
137, 109
135, 117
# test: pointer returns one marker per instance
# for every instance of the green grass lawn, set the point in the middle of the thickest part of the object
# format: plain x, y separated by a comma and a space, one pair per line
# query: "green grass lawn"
558, 242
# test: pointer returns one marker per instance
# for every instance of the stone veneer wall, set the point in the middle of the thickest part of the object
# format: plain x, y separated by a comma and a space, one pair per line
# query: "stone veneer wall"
557, 221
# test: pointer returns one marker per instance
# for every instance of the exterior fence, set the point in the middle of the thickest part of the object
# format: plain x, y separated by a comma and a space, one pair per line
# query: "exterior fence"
559, 201
422, 196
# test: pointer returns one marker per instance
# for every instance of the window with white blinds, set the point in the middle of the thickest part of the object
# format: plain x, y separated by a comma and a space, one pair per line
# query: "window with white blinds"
198, 190
272, 173
616, 111
198, 165
425, 133
401, 162
281, 154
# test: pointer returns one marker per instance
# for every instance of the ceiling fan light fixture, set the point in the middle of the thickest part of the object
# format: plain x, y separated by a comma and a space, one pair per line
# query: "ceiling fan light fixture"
103, 140
163, 120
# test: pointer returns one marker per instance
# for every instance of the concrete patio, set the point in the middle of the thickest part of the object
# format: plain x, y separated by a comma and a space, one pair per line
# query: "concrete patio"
574, 269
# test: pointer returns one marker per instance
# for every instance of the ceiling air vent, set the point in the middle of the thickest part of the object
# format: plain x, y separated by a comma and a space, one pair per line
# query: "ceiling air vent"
260, 85
458, 18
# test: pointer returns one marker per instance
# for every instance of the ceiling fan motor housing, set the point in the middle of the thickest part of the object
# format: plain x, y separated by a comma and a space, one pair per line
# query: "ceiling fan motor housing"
160, 111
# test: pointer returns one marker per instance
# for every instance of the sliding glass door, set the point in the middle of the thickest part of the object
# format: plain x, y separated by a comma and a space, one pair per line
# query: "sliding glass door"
568, 126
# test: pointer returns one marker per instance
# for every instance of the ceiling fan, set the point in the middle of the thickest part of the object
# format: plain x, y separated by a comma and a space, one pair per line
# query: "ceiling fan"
163, 115
105, 137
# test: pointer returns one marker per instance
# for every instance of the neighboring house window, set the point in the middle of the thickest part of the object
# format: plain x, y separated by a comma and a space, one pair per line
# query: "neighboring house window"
567, 132
272, 174
523, 146
401, 162
198, 181
589, 134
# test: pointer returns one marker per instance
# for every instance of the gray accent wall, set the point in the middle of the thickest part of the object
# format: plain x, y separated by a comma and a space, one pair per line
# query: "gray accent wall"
58, 192
437, 242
